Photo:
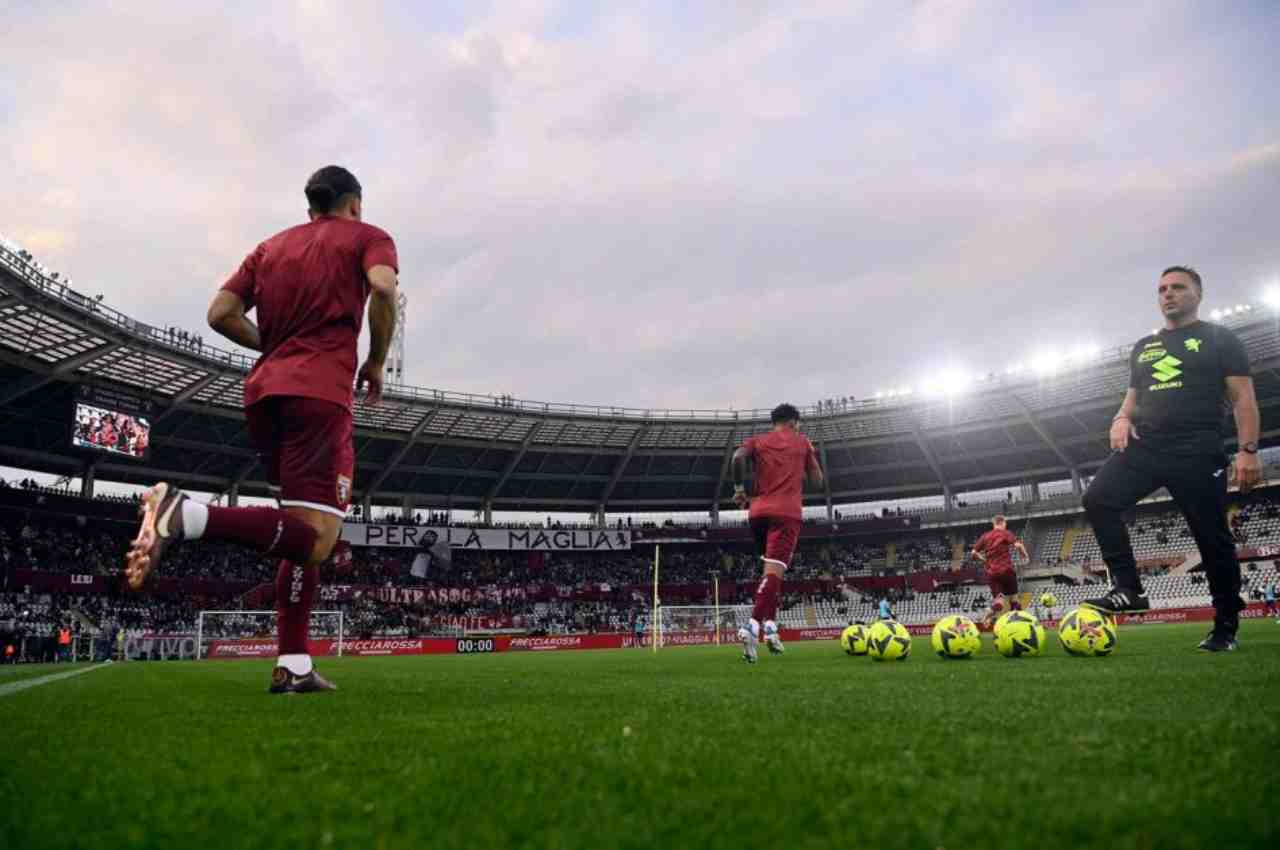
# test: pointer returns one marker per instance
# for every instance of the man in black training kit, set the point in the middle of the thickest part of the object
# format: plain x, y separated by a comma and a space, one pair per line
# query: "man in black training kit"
1168, 433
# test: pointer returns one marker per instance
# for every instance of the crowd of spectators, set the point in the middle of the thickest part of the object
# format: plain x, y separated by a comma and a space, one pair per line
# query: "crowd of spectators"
556, 601
77, 545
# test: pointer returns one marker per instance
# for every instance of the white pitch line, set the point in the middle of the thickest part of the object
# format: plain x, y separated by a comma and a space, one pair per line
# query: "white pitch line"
22, 685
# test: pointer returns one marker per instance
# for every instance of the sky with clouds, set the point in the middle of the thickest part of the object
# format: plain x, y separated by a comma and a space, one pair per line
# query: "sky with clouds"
667, 204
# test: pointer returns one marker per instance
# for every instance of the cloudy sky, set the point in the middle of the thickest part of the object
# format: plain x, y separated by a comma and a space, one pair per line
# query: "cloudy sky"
707, 204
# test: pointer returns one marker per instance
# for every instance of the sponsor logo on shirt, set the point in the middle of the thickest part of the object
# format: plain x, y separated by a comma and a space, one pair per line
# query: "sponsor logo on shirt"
1194, 344
1165, 371
1153, 354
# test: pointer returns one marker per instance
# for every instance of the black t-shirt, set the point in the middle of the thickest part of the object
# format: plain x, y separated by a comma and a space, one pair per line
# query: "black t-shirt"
1180, 377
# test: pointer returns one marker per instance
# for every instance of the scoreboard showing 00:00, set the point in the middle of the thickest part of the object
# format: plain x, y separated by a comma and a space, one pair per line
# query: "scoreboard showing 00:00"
470, 645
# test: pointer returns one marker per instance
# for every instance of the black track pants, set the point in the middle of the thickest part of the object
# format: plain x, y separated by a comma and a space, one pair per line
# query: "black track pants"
1198, 484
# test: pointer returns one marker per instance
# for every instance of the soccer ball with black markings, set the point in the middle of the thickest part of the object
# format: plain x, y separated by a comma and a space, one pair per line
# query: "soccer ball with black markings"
1019, 635
956, 637
853, 640
1087, 633
889, 640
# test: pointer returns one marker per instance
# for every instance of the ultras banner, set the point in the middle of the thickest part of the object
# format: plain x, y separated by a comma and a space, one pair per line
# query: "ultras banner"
497, 539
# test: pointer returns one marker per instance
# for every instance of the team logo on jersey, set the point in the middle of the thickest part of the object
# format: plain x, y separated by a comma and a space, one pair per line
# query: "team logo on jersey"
1166, 370
344, 489
1194, 344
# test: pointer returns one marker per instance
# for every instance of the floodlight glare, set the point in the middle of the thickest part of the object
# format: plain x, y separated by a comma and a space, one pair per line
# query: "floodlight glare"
1272, 298
1045, 364
1216, 315
955, 381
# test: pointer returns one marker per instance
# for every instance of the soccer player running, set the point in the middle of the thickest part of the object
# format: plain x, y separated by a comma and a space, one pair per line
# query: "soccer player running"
994, 550
1168, 433
309, 285
784, 461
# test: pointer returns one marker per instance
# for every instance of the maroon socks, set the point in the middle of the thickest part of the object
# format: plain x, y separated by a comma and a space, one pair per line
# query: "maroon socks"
295, 588
269, 530
767, 593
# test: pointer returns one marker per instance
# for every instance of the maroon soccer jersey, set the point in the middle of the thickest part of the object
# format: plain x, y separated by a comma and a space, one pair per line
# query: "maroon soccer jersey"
309, 287
996, 544
782, 458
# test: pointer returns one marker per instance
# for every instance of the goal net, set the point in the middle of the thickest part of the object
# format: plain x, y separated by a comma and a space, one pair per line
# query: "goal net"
719, 622
240, 625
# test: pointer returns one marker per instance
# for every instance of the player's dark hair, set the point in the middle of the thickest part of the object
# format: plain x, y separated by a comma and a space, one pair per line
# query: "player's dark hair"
998, 519
1189, 272
329, 187
784, 413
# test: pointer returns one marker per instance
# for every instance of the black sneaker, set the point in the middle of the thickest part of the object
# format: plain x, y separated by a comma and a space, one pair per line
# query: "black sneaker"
1217, 641
1119, 600
285, 681
161, 527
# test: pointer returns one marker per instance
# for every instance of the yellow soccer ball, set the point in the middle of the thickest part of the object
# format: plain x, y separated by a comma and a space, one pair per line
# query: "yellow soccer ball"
1019, 634
956, 637
889, 640
853, 640
1048, 600
1087, 632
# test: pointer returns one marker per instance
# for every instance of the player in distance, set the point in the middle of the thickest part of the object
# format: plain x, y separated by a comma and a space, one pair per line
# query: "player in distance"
994, 550
309, 285
784, 461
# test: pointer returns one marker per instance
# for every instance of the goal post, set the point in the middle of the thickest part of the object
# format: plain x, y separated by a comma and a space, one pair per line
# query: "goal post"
213, 625
655, 618
721, 621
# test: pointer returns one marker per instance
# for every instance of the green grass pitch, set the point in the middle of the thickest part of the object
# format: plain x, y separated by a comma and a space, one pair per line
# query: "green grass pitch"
1156, 747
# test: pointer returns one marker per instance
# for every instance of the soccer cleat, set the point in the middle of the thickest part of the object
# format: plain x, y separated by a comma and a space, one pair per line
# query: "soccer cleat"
1119, 600
161, 527
749, 642
772, 641
284, 681
1217, 641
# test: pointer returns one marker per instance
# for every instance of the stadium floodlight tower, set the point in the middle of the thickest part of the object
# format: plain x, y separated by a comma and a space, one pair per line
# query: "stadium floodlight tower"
395, 359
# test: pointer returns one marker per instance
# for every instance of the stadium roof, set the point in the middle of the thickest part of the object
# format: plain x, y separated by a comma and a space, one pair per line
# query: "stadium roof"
445, 449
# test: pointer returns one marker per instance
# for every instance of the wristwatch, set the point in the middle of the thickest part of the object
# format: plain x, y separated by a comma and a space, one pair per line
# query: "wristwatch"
1249, 448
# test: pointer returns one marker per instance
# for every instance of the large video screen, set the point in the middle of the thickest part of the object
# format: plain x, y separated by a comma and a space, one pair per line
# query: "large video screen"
112, 431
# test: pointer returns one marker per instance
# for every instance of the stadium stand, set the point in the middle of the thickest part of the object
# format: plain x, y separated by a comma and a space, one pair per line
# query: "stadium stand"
912, 481
834, 580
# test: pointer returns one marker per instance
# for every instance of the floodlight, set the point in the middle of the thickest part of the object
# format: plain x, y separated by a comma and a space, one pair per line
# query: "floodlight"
955, 381
1045, 364
1216, 315
1272, 298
